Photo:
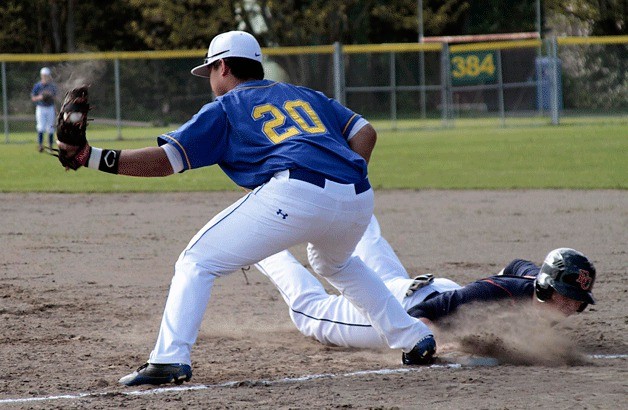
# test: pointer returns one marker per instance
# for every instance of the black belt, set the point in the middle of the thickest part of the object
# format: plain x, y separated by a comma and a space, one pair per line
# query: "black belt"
319, 180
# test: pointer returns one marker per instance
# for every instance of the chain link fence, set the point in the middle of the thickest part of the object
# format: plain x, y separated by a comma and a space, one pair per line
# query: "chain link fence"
529, 81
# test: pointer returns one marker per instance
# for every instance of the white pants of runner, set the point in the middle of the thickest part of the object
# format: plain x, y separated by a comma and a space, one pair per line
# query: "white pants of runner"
282, 213
332, 319
45, 118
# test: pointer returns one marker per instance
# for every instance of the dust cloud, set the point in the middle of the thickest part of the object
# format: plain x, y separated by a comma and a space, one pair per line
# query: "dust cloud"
75, 74
520, 334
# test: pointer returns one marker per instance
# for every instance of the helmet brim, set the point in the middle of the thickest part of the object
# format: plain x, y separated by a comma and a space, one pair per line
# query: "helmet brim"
574, 293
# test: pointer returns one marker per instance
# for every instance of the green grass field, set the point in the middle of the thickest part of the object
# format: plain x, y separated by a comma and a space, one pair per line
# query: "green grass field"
575, 155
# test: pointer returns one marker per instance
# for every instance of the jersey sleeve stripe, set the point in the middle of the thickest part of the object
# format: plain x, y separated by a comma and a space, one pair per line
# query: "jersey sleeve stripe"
349, 123
501, 287
357, 126
185, 154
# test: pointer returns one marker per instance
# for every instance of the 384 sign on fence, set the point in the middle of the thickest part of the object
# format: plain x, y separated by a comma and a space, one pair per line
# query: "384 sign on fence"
475, 67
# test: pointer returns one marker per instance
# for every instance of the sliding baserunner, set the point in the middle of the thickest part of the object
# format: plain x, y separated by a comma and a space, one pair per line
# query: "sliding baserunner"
563, 283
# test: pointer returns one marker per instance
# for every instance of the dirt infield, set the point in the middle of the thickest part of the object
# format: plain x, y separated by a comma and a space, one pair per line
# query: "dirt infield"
83, 281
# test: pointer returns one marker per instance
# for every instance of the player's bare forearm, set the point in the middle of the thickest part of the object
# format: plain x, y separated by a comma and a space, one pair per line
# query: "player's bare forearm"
74, 151
145, 162
363, 141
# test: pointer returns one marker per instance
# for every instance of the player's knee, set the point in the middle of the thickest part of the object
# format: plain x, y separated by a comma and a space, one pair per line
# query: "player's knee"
324, 265
190, 267
328, 268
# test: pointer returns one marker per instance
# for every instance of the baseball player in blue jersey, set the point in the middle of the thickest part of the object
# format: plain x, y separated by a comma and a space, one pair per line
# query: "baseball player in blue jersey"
43, 95
563, 283
304, 158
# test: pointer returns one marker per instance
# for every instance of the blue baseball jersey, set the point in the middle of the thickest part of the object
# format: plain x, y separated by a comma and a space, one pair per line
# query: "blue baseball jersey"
39, 88
516, 283
262, 127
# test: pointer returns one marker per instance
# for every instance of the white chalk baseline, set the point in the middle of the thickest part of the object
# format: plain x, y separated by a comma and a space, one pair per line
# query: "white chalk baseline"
272, 382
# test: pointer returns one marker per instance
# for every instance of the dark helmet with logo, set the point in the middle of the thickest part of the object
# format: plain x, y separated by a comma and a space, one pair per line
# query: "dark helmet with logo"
569, 273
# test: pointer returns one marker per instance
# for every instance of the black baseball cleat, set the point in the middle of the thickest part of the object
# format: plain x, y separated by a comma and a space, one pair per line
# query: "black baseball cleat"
422, 353
151, 373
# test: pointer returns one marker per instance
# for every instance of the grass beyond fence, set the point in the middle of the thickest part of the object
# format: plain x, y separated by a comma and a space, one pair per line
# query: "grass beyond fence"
574, 156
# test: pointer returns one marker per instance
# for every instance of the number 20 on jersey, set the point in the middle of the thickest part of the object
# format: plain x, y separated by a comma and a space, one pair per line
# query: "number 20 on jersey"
306, 121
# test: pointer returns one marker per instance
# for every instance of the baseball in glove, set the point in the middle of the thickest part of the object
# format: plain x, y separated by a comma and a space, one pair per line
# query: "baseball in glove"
71, 126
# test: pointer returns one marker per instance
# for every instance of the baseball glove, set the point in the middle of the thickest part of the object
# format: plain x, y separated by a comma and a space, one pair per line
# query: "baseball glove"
71, 126
47, 98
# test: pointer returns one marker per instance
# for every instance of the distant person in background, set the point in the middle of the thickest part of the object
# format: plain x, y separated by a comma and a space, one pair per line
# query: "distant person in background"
43, 95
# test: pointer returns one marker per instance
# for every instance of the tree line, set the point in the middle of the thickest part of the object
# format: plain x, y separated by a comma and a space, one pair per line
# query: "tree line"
55, 26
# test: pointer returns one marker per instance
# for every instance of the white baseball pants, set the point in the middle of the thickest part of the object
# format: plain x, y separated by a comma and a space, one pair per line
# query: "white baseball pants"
332, 319
282, 213
45, 118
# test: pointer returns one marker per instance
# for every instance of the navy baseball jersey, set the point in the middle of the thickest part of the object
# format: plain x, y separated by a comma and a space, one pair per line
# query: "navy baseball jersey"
263, 127
39, 88
516, 282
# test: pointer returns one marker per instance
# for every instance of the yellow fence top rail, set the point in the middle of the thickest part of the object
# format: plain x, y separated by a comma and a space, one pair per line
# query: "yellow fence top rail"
495, 45
106, 55
593, 40
282, 51
324, 49
391, 47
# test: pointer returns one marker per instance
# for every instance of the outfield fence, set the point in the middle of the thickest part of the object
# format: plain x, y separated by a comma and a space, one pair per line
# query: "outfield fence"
399, 85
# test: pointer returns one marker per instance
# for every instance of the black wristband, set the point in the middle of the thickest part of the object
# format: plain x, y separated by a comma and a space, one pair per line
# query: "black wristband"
109, 161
